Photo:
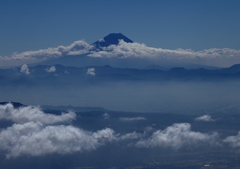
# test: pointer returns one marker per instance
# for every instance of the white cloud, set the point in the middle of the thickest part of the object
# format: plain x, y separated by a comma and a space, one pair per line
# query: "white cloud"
204, 118
91, 71
214, 56
76, 48
125, 50
106, 115
51, 69
127, 119
30, 113
177, 136
24, 69
233, 141
32, 135
35, 139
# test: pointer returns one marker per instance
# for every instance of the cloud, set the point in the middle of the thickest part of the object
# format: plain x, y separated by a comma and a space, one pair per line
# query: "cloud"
233, 141
130, 136
34, 139
33, 133
177, 136
24, 69
205, 118
91, 71
125, 50
127, 119
76, 48
51, 69
106, 115
32, 114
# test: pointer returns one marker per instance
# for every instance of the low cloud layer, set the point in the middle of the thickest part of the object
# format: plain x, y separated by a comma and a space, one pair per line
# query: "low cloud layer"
215, 56
36, 133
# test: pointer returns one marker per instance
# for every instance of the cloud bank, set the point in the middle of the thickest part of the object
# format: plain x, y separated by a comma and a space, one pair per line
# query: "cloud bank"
129, 50
36, 133
125, 50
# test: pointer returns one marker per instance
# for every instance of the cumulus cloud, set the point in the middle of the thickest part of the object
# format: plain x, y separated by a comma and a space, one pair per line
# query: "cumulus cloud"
51, 69
32, 114
24, 69
128, 119
177, 136
91, 71
33, 133
35, 139
204, 118
233, 141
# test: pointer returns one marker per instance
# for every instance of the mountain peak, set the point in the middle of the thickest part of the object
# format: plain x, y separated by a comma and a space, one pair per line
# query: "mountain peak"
111, 39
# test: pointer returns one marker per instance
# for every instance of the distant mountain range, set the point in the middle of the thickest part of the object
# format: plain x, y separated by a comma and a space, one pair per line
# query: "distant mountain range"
66, 75
82, 69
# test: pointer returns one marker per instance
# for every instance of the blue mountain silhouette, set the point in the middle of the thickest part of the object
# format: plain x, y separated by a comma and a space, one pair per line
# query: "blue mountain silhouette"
111, 39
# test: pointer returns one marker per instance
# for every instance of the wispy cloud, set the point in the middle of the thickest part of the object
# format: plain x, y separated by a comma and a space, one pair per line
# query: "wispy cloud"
205, 118
128, 119
106, 115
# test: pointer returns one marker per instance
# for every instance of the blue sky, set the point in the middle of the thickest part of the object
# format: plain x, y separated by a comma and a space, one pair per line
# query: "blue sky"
171, 24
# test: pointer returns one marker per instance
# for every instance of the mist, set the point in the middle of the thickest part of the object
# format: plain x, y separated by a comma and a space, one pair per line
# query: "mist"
173, 96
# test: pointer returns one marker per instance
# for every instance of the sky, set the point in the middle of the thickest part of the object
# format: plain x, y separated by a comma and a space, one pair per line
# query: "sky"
168, 24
